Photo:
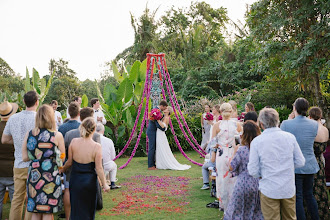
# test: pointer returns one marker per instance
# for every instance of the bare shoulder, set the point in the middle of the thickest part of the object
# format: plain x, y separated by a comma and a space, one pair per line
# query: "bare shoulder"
217, 124
58, 135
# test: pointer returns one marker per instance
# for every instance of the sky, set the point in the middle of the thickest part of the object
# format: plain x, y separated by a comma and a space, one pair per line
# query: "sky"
85, 33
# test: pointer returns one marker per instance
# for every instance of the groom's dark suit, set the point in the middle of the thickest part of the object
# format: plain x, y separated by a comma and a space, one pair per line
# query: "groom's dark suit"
151, 132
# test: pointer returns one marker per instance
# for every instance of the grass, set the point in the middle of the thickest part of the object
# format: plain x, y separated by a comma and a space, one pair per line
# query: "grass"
156, 194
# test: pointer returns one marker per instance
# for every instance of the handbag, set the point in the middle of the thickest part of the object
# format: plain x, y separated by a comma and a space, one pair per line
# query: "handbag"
99, 199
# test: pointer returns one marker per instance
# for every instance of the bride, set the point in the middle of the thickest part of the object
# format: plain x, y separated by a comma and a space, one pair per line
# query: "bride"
164, 156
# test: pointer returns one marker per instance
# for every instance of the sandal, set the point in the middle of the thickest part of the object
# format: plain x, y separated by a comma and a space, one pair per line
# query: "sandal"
213, 205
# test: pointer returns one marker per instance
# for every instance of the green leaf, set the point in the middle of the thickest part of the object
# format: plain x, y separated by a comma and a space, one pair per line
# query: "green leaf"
121, 131
27, 81
125, 91
84, 101
36, 80
107, 113
108, 132
109, 94
42, 85
116, 73
134, 73
99, 94
47, 88
143, 70
129, 119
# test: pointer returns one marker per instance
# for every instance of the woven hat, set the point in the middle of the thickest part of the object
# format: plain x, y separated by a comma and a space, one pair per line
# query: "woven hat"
7, 109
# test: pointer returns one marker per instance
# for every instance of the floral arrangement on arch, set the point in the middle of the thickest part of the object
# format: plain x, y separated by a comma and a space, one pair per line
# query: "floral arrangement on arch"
155, 114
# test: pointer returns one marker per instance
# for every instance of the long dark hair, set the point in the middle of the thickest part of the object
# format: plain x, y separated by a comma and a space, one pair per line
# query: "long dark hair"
250, 131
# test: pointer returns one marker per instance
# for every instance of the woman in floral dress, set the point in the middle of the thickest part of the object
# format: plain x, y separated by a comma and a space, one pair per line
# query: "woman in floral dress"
245, 201
42, 146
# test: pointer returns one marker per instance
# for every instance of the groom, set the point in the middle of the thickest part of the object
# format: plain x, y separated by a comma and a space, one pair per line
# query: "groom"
151, 133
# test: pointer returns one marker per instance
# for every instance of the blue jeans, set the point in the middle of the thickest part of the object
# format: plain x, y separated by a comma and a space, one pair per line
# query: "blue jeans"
304, 191
6, 182
205, 171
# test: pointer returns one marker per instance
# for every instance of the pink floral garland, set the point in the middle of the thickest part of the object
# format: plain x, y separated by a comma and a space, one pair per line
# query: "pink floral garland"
179, 122
145, 90
167, 75
176, 139
143, 121
146, 93
177, 117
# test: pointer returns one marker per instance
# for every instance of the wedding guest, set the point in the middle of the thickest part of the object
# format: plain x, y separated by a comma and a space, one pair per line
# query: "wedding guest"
16, 128
320, 145
216, 117
108, 154
251, 116
245, 201
234, 115
73, 123
85, 157
249, 107
6, 154
98, 114
69, 136
305, 131
273, 157
76, 99
58, 116
206, 127
222, 145
40, 146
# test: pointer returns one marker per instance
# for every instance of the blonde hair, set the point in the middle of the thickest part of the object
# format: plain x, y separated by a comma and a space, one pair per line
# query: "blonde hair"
45, 118
170, 110
233, 105
226, 110
87, 127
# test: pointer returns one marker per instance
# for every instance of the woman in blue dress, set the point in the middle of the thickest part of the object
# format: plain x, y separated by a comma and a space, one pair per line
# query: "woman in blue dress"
85, 157
245, 200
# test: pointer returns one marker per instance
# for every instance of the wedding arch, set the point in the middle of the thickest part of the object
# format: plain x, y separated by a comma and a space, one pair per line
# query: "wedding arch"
156, 77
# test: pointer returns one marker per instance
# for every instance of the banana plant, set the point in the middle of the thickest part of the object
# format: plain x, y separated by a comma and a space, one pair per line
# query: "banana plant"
14, 97
38, 85
120, 105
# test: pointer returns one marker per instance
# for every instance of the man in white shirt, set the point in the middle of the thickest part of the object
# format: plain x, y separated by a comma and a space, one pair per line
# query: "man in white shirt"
274, 155
16, 128
108, 154
58, 116
98, 114
75, 99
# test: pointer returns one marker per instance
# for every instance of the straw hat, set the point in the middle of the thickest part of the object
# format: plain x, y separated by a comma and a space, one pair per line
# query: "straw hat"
7, 109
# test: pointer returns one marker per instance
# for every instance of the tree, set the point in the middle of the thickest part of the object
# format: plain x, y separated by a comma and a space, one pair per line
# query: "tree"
294, 43
61, 68
5, 69
88, 87
145, 34
63, 89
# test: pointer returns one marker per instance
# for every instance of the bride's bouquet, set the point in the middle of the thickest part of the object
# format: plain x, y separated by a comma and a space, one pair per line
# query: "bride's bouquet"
208, 117
155, 114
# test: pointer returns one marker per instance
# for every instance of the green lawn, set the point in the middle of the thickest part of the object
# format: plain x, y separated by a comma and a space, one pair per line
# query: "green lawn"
156, 194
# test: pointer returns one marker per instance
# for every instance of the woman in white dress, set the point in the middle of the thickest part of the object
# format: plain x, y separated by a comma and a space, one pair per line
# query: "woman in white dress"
222, 145
164, 156
216, 117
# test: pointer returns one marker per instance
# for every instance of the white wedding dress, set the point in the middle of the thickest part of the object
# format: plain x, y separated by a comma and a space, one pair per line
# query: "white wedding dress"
165, 159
